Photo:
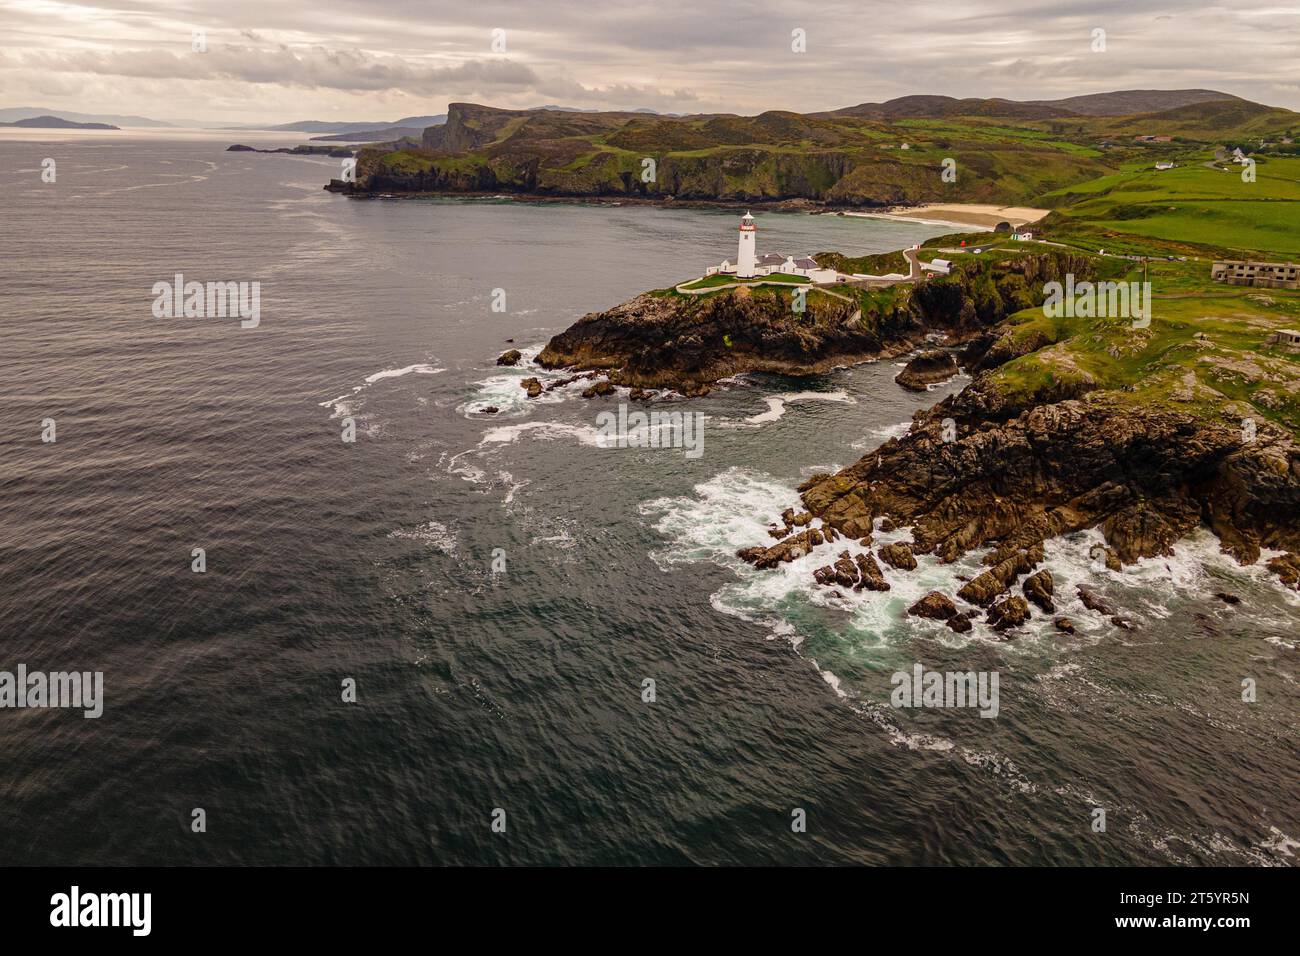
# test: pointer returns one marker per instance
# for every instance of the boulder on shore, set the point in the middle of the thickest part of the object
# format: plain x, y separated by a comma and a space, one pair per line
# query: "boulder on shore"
1038, 588
959, 623
1009, 612
846, 571
926, 369
898, 555
986, 586
1107, 556
1287, 568
1095, 602
510, 357
783, 552
873, 579
936, 605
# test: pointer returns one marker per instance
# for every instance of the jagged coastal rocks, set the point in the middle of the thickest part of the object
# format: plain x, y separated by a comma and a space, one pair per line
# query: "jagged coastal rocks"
1012, 478
662, 341
989, 469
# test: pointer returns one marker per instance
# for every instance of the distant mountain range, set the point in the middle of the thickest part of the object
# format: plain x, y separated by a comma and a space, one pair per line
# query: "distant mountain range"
1118, 103
1111, 104
67, 119
385, 135
357, 126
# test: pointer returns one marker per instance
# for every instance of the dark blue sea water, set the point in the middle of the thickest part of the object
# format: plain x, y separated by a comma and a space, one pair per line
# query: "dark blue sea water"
521, 689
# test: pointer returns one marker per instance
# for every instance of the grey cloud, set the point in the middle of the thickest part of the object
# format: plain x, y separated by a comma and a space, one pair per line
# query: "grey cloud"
308, 68
707, 55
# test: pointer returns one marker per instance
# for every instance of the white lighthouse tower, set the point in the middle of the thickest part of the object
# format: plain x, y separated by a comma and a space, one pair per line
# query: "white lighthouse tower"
745, 257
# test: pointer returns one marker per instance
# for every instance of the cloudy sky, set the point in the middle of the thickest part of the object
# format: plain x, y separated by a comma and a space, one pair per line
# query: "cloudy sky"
282, 60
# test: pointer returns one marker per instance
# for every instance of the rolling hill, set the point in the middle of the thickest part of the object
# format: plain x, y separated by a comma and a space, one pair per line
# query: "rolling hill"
893, 153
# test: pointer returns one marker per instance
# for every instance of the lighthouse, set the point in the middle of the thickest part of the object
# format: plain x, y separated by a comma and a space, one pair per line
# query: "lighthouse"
745, 257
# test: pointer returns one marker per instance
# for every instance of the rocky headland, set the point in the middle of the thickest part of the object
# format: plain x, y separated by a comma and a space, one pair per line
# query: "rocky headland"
688, 343
998, 468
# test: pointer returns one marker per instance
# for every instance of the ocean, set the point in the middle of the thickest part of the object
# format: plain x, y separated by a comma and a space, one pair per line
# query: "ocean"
496, 589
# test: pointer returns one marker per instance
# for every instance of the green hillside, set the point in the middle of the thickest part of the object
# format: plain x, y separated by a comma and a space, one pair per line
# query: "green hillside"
878, 154
1201, 207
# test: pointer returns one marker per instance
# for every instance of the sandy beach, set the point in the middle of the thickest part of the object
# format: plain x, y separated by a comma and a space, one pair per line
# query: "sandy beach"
963, 214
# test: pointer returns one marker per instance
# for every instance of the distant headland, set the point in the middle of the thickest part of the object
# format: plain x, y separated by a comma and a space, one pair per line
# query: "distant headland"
55, 122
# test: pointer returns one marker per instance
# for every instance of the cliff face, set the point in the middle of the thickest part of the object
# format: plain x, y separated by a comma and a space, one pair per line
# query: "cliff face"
731, 175
776, 156
467, 127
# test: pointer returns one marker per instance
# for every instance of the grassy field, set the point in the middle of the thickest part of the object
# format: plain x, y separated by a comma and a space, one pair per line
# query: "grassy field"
1194, 207
1203, 355
1204, 351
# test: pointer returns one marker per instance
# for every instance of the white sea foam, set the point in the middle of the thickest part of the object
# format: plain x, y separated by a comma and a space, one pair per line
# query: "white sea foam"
875, 437
504, 389
420, 368
345, 405
884, 718
512, 486
1280, 843
509, 434
464, 470
340, 407
832, 680
776, 407
731, 511
433, 533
